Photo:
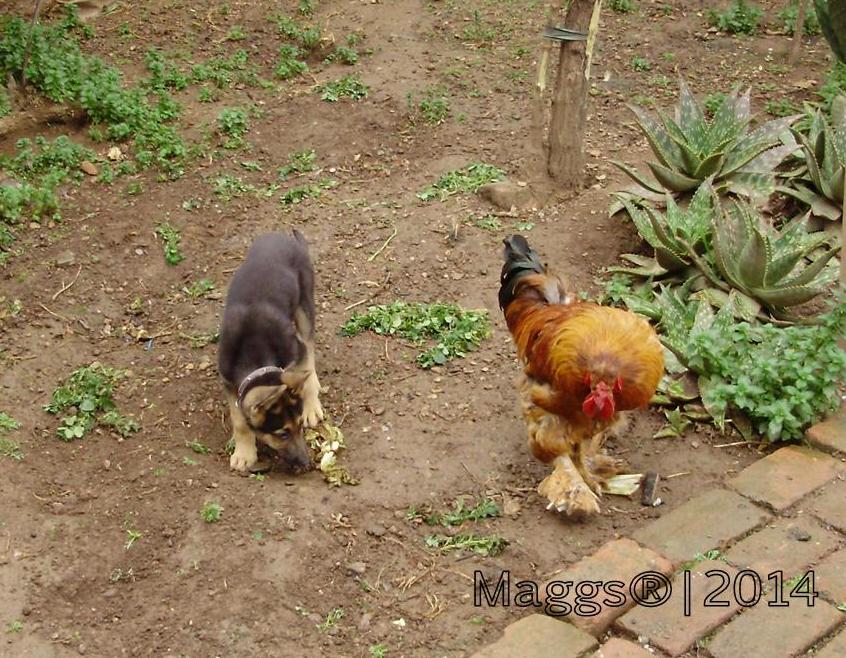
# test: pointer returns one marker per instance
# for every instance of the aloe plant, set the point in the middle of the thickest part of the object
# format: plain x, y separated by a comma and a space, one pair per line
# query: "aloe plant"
832, 17
778, 268
678, 235
691, 148
820, 183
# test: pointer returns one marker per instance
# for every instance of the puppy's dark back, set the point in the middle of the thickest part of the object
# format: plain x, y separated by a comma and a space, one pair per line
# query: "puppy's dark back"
275, 280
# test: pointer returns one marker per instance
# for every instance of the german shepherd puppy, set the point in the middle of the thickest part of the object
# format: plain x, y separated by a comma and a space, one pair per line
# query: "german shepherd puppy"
266, 352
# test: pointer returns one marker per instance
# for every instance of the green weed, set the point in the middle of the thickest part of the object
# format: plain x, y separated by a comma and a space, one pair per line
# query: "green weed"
15, 626
290, 63
469, 179
741, 17
485, 546
433, 106
232, 122
378, 650
350, 86
299, 162
641, 64
788, 16
455, 330
172, 238
781, 108
623, 6
199, 288
198, 447
225, 71
343, 54
88, 390
211, 512
332, 618
484, 509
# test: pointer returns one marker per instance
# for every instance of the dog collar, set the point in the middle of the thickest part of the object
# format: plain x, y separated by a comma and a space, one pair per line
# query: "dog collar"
253, 377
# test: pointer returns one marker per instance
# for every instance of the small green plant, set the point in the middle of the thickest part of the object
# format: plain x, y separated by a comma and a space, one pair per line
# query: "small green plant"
290, 63
228, 187
623, 6
741, 17
343, 54
781, 108
163, 74
187, 461
378, 650
15, 626
456, 330
172, 239
300, 193
299, 162
132, 536
7, 423
641, 64
834, 85
713, 102
306, 7
211, 512
484, 509
788, 15
224, 72
485, 546
433, 106
489, 223
457, 181
88, 390
350, 86
236, 33
10, 449
199, 288
198, 447
232, 122
478, 32
332, 618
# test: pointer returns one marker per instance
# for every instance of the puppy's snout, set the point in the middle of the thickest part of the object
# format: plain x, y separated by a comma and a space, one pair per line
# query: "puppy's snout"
296, 455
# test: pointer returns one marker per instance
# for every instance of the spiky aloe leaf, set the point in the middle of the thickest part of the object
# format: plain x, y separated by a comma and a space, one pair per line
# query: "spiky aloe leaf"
685, 139
810, 273
643, 266
759, 140
756, 186
672, 180
754, 259
819, 205
689, 114
711, 165
730, 119
788, 296
667, 151
641, 220
641, 180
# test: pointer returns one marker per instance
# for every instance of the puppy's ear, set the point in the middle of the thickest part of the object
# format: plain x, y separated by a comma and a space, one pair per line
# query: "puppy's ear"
268, 400
294, 379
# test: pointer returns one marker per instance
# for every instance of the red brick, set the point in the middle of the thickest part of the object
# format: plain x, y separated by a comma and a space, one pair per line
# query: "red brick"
789, 545
706, 522
830, 435
829, 507
621, 560
830, 577
785, 476
835, 648
666, 627
539, 636
775, 632
617, 648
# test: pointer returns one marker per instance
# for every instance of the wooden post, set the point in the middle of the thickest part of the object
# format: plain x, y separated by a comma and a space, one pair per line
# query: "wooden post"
798, 32
569, 101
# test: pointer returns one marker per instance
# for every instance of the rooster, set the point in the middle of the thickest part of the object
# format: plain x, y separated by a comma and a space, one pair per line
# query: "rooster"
583, 364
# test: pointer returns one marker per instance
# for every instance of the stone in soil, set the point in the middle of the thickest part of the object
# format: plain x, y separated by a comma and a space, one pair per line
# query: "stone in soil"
830, 435
618, 648
829, 507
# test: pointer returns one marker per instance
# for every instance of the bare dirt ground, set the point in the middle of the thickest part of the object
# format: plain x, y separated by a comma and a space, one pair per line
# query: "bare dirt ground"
288, 550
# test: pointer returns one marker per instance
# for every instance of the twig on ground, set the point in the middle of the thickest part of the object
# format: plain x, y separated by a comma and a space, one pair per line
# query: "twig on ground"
67, 287
382, 248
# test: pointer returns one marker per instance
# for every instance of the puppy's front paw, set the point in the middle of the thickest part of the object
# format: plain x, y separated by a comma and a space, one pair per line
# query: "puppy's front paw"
312, 411
244, 458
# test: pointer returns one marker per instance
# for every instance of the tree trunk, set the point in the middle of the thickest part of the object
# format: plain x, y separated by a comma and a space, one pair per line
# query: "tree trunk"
569, 100
798, 32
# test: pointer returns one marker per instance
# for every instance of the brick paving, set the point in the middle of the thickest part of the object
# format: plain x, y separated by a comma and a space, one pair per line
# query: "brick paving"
782, 478
785, 513
621, 560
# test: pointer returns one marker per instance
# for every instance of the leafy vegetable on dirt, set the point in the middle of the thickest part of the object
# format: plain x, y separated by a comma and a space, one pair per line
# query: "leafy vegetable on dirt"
211, 512
484, 546
88, 390
458, 181
328, 440
484, 509
740, 17
456, 330
9, 448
